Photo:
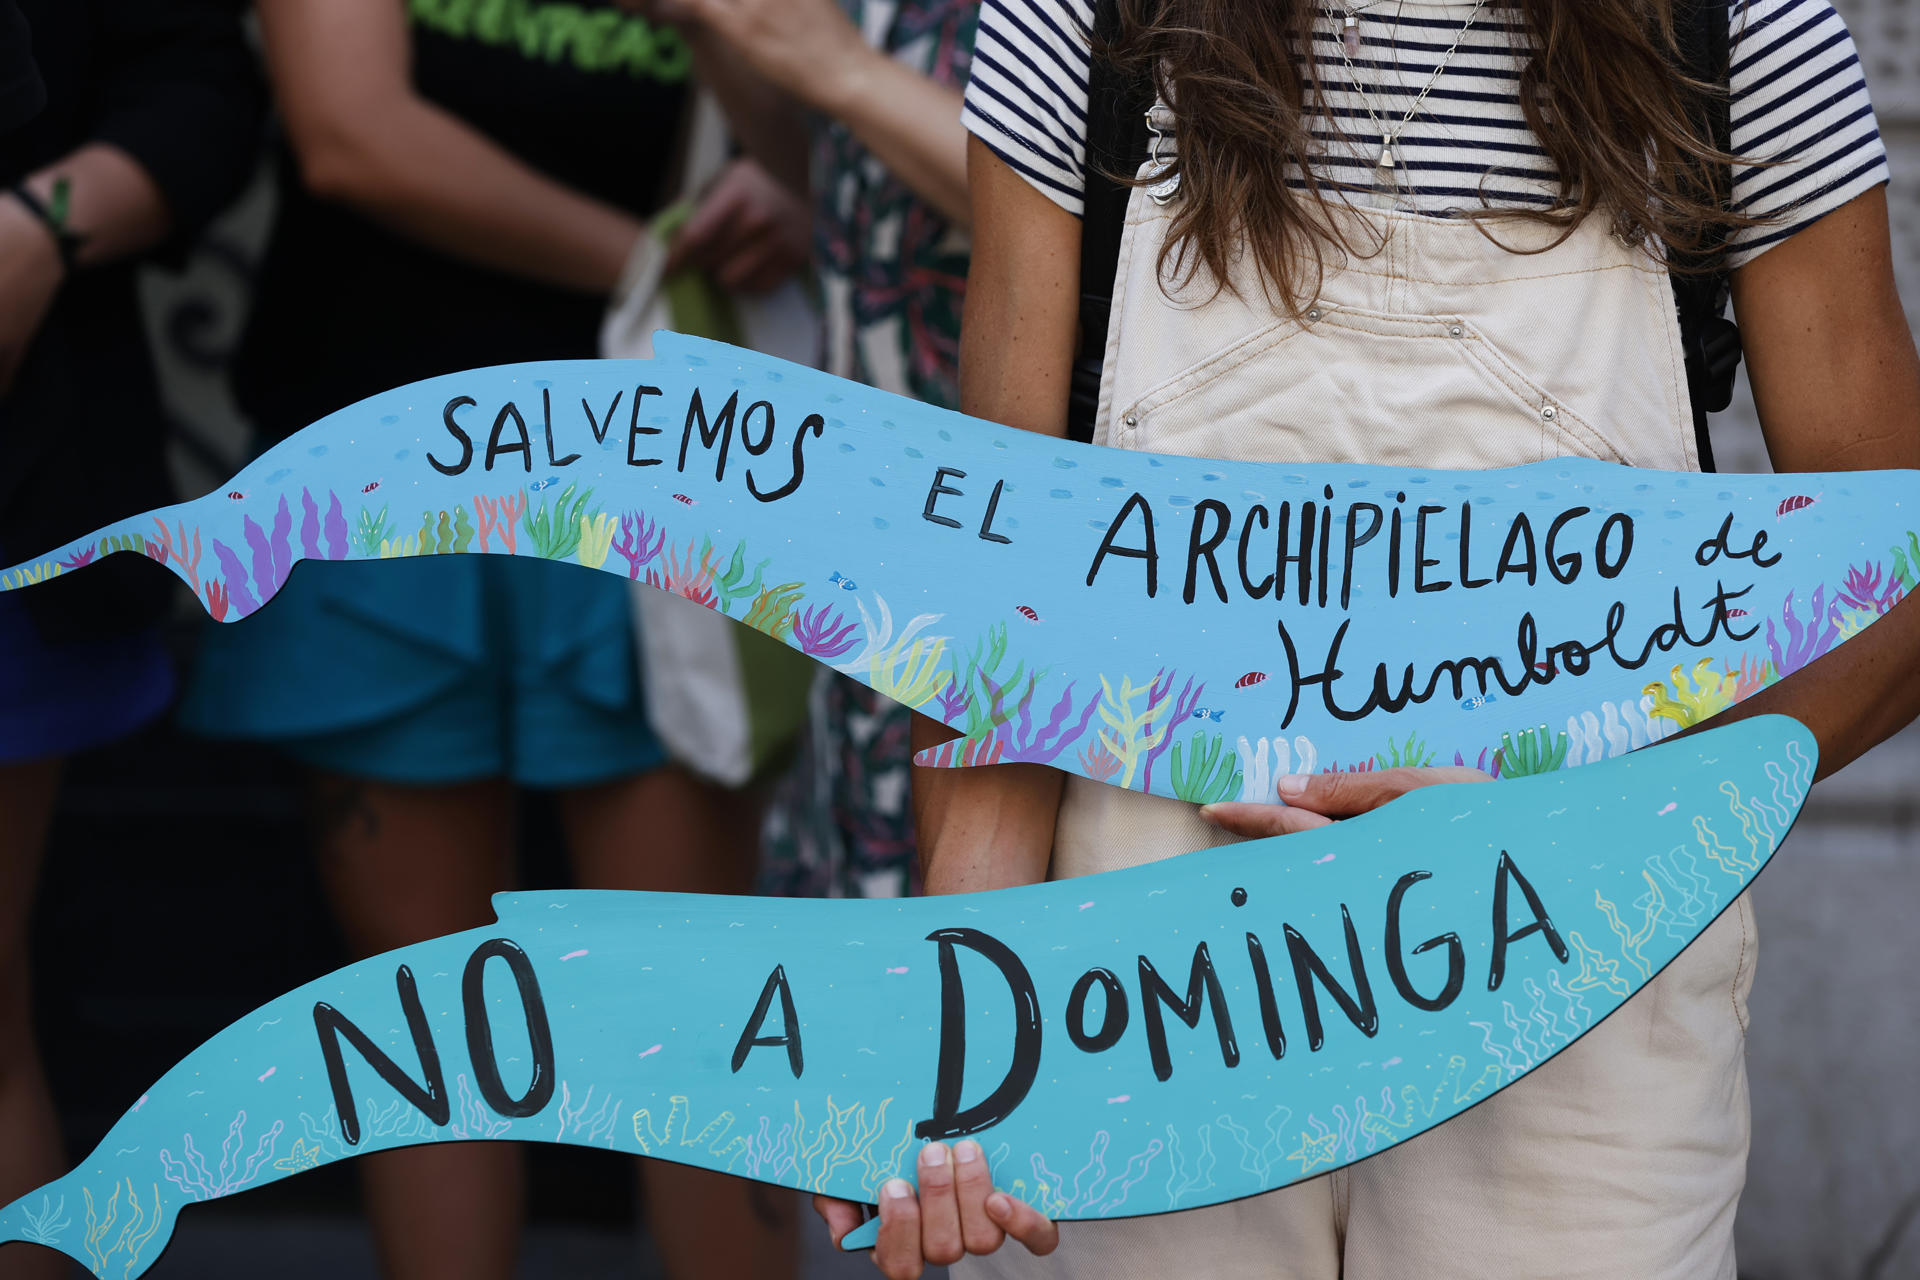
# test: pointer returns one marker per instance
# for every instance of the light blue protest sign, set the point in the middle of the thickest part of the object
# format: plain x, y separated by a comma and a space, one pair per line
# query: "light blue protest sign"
1185, 627
1174, 1035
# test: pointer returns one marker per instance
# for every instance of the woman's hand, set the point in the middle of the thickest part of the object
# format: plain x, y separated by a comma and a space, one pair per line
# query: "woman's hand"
749, 233
807, 48
1316, 799
760, 55
956, 1213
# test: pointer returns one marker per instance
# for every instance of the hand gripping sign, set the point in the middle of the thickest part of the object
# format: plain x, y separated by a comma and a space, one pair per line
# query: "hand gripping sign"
1310, 1002
1170, 1036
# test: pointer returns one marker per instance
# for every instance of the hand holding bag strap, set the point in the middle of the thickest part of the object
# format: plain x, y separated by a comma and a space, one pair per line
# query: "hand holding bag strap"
1116, 144
1709, 341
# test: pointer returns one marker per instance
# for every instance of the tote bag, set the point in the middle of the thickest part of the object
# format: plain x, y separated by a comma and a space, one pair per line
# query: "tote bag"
727, 701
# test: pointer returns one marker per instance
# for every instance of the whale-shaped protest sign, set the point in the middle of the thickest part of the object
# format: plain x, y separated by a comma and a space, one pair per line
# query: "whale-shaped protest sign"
1184, 627
1174, 1035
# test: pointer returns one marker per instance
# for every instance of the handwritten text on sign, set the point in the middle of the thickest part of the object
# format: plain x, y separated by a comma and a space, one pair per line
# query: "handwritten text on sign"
1187, 627
1100, 1035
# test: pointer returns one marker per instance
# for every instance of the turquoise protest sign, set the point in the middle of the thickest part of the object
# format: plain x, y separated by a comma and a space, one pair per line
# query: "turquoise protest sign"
1175, 1035
1185, 627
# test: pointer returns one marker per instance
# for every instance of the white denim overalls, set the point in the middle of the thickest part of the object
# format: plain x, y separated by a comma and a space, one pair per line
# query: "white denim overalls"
1622, 1158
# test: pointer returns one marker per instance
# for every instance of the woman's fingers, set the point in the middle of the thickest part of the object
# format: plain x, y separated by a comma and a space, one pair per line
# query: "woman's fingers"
955, 1213
841, 1216
748, 231
1024, 1223
757, 267
898, 1252
940, 1235
972, 1184
707, 233
1315, 799
1341, 795
1254, 821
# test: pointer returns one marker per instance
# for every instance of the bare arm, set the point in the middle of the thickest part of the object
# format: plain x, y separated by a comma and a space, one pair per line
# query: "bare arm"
365, 138
113, 205
171, 136
809, 52
987, 828
1837, 383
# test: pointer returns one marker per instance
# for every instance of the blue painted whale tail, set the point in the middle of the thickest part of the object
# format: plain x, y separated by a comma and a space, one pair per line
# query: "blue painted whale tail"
136, 534
114, 1234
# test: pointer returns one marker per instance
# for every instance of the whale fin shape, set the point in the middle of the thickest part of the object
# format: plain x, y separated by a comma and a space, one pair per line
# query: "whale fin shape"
117, 1231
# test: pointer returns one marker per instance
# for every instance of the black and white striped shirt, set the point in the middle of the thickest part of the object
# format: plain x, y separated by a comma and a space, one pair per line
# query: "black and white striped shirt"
1799, 100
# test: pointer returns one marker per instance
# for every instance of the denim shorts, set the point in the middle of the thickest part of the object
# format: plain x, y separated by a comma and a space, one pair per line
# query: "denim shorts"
435, 670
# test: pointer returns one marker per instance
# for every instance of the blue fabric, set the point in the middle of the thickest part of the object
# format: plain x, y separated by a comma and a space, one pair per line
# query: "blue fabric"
58, 699
435, 670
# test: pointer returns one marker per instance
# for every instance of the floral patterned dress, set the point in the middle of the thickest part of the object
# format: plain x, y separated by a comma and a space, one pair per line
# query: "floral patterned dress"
892, 271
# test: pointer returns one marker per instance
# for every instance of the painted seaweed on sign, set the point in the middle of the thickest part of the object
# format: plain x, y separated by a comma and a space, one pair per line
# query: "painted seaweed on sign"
1184, 627
1175, 1035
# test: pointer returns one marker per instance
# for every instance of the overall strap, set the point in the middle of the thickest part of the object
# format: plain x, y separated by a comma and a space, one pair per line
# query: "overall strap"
1116, 144
1709, 341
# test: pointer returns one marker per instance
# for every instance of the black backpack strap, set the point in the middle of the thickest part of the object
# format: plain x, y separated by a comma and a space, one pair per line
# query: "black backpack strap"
1116, 144
1709, 341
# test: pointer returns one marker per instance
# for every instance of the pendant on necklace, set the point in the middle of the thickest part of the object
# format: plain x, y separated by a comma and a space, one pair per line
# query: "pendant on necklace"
1350, 34
1386, 185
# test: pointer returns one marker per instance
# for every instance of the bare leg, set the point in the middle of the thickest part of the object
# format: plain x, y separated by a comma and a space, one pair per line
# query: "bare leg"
666, 831
30, 1149
403, 864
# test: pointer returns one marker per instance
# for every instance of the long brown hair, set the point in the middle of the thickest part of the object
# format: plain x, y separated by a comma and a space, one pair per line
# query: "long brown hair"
1628, 133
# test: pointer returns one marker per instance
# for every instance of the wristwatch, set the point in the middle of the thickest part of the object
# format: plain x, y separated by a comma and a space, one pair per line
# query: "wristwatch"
53, 216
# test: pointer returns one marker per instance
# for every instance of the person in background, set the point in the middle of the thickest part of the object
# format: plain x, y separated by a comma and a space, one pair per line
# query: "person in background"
148, 127
1359, 188
462, 185
888, 181
892, 249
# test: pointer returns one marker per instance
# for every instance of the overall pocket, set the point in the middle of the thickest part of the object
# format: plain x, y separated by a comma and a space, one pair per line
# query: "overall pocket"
1352, 385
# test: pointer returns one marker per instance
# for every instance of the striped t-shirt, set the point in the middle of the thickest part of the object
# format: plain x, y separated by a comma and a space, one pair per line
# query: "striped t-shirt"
1799, 100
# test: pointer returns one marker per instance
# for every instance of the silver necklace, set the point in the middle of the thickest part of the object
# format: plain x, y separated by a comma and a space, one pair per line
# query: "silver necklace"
1350, 27
1384, 166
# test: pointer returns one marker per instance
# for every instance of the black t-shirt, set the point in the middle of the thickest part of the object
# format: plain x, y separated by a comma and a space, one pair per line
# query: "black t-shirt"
171, 84
590, 96
21, 92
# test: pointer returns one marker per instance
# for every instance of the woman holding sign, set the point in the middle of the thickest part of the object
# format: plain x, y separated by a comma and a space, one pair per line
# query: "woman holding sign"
1435, 234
